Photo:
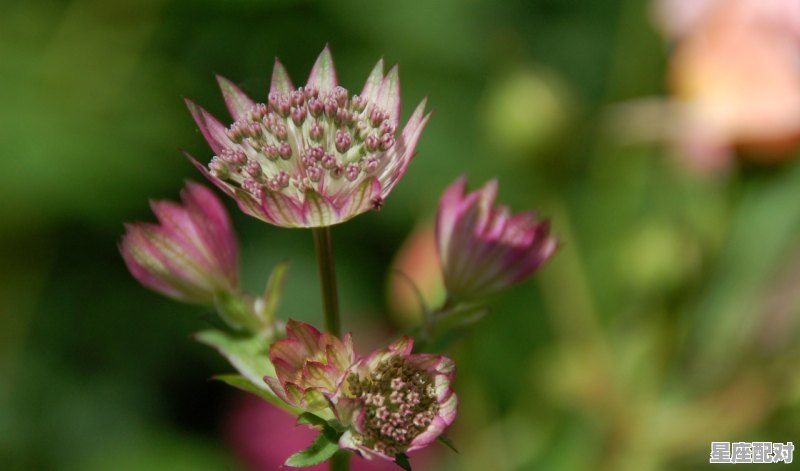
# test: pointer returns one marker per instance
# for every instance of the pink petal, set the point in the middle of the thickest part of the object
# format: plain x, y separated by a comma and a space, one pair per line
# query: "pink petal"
373, 83
323, 74
238, 103
212, 129
402, 152
281, 83
304, 333
389, 94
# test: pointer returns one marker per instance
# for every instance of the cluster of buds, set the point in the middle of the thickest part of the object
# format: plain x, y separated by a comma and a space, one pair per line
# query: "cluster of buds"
391, 401
314, 155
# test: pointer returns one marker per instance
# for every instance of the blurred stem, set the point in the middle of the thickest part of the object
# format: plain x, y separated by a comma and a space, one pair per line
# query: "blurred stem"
327, 278
340, 461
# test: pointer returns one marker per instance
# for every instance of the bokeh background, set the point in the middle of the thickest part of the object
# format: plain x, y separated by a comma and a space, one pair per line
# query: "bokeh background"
668, 319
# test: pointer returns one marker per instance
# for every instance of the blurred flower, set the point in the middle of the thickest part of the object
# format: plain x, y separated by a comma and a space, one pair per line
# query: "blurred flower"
262, 435
310, 365
191, 255
416, 276
311, 156
483, 248
396, 402
735, 77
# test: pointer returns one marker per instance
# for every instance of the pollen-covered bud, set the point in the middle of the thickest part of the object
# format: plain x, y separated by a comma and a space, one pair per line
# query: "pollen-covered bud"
372, 142
314, 173
387, 141
331, 107
328, 161
316, 131
358, 103
285, 151
337, 171
218, 168
253, 169
351, 172
279, 130
371, 165
298, 97
298, 115
376, 117
271, 152
340, 95
343, 141
315, 107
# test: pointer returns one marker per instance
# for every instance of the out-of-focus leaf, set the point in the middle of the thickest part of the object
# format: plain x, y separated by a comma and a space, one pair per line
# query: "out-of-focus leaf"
248, 354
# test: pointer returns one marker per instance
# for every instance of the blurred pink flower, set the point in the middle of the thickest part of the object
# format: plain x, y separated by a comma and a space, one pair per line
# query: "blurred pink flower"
311, 156
734, 76
396, 402
416, 267
191, 255
483, 248
263, 436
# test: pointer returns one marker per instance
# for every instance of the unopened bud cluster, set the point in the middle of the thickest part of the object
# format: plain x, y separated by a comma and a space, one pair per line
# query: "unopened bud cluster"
304, 140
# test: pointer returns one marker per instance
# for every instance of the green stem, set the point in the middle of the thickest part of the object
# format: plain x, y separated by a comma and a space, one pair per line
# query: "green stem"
327, 279
340, 461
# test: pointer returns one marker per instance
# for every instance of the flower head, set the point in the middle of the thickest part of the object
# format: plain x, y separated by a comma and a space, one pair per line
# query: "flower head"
315, 155
396, 402
484, 248
191, 255
310, 365
734, 75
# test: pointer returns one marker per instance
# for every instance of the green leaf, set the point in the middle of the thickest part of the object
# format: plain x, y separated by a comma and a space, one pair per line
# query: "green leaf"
312, 419
320, 450
240, 382
237, 311
401, 460
272, 293
248, 354
447, 442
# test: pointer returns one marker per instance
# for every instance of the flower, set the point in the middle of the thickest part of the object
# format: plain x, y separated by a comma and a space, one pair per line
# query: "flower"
734, 76
191, 255
483, 248
315, 155
396, 402
309, 365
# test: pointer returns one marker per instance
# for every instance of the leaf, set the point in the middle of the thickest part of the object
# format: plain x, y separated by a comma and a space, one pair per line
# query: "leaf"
248, 354
447, 442
312, 419
240, 382
272, 293
401, 460
320, 450
237, 311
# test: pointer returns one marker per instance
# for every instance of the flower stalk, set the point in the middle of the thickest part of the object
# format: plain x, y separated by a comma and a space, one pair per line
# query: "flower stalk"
327, 278
340, 461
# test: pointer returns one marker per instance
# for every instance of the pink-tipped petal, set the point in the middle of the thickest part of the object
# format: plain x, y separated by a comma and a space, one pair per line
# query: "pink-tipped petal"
238, 103
373, 83
280, 83
210, 127
323, 74
389, 94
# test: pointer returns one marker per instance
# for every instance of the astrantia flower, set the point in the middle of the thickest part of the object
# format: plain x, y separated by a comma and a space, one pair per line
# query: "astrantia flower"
191, 255
315, 155
396, 402
310, 365
484, 248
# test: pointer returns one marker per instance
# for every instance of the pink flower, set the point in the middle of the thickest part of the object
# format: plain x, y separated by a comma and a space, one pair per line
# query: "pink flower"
315, 155
310, 365
734, 76
396, 402
483, 248
191, 255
